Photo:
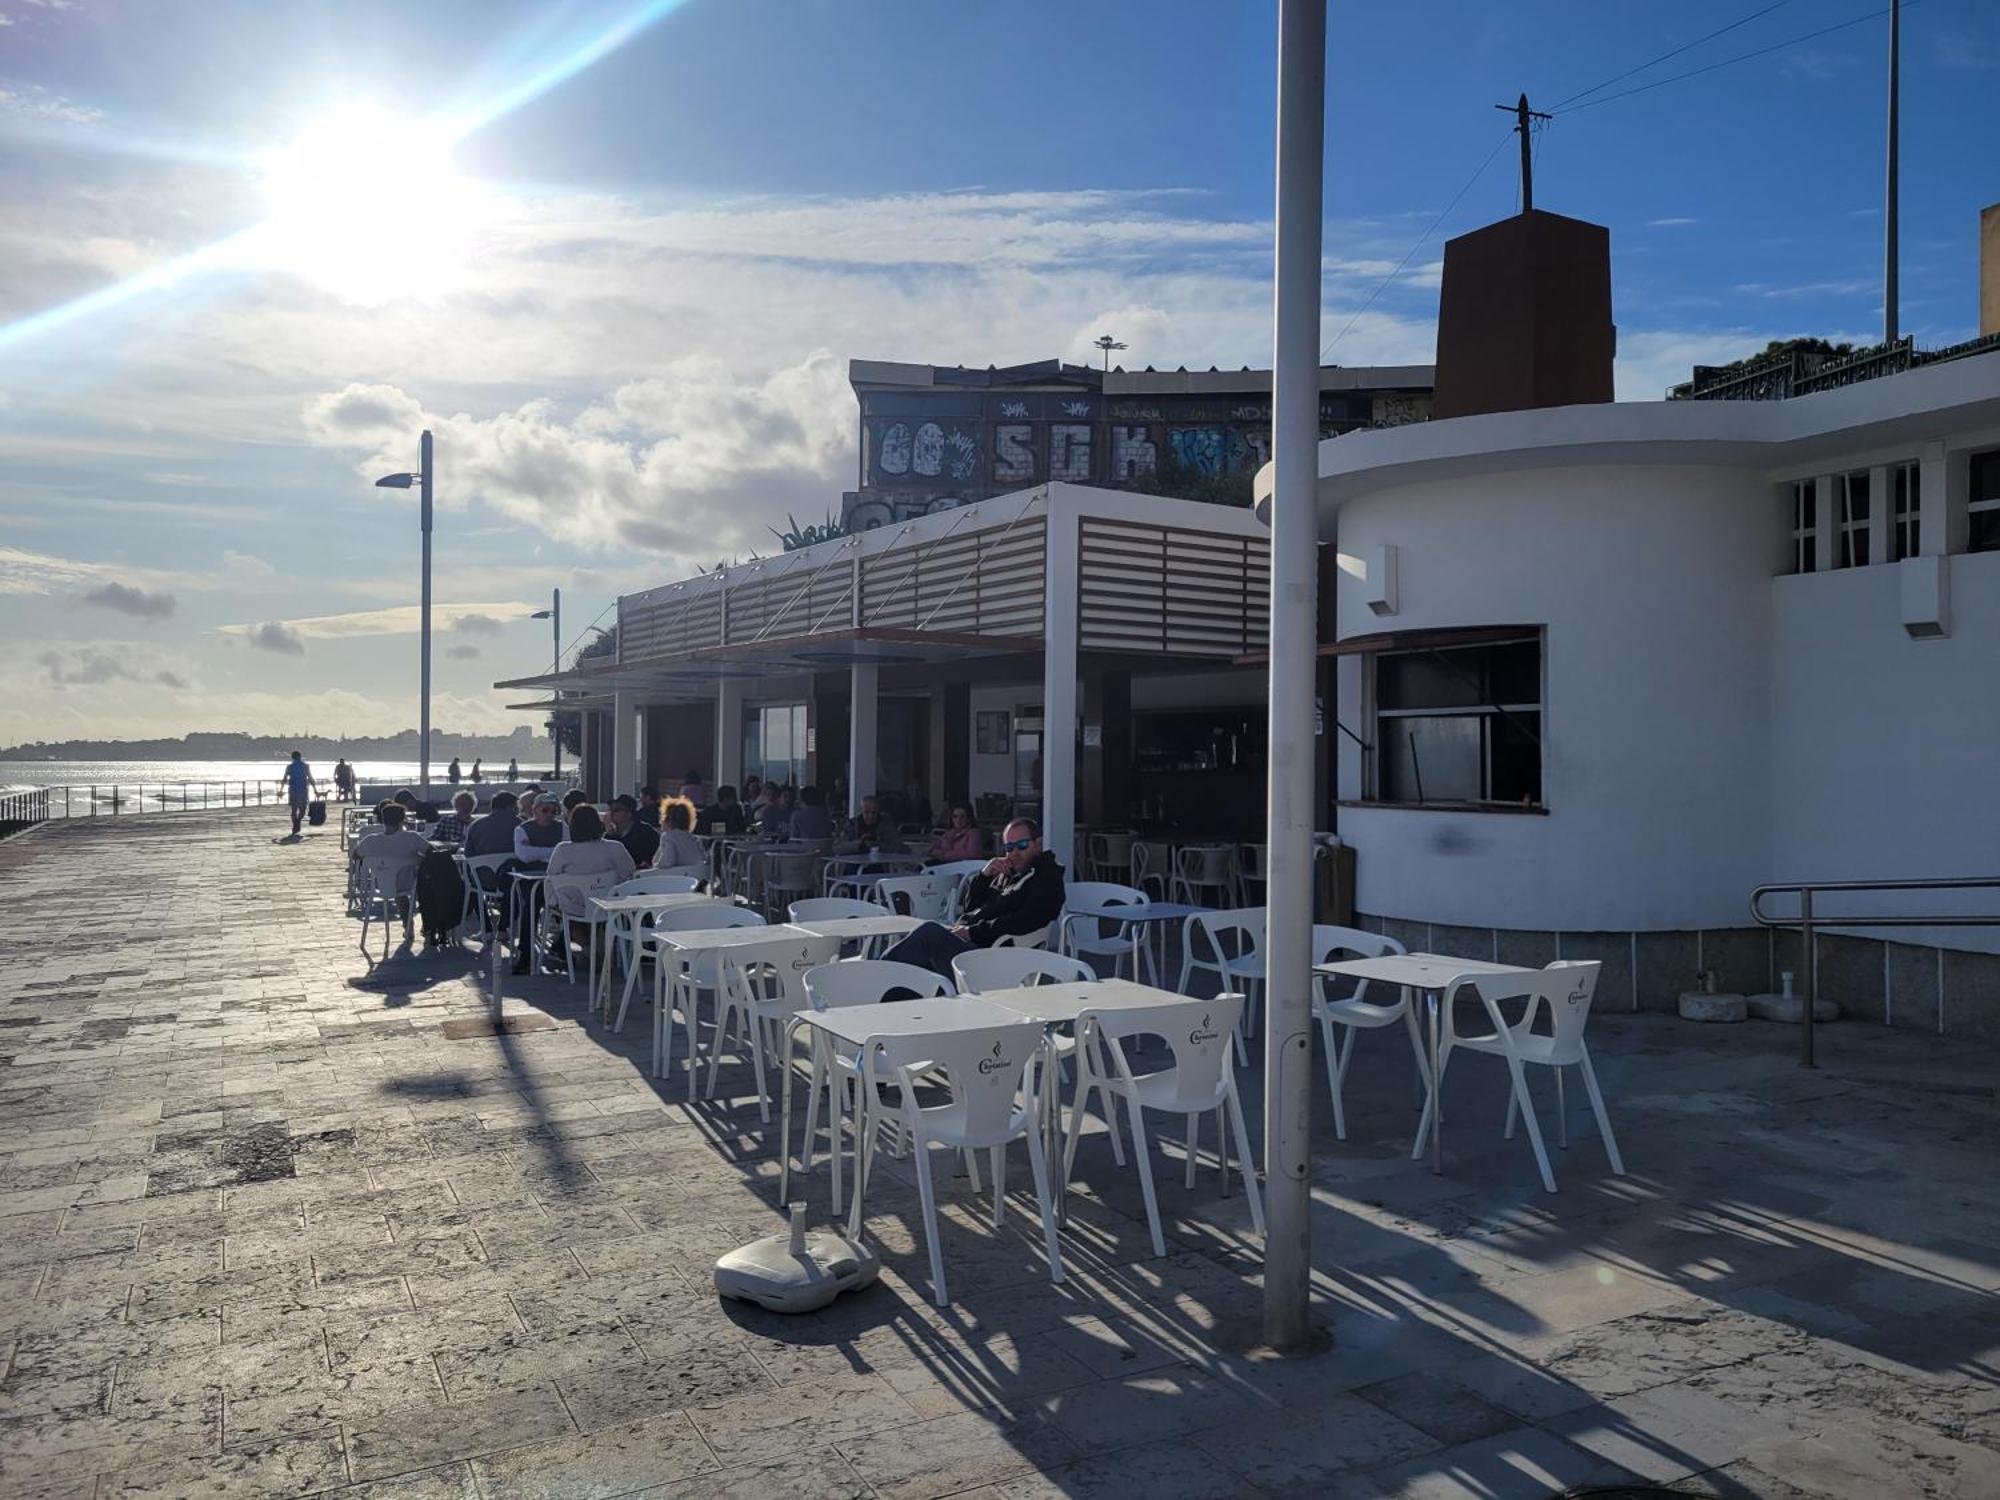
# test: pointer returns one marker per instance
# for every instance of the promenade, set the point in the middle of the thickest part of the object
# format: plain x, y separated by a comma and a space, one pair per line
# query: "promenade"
271, 1225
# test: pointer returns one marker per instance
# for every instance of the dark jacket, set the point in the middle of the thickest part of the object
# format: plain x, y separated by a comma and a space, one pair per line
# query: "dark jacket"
734, 818
1013, 904
641, 842
492, 834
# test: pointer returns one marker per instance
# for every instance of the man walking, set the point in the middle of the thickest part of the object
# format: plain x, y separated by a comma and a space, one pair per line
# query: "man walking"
297, 779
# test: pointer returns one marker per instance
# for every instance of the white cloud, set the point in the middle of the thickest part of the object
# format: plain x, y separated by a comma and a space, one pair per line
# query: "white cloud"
40, 104
143, 604
401, 619
1672, 223
99, 663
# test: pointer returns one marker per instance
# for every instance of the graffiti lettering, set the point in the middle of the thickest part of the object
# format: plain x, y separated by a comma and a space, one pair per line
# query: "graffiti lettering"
964, 450
895, 457
1013, 455
1197, 448
1013, 408
1069, 452
927, 455
1132, 453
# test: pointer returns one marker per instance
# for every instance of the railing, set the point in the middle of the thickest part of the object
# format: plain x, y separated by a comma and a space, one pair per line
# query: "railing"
1808, 919
112, 799
19, 810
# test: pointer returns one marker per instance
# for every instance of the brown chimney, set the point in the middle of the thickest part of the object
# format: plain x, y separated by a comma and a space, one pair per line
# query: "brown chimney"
1524, 317
1989, 270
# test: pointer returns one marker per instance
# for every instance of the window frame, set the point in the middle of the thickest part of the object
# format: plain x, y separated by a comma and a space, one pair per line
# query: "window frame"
1906, 506
1805, 525
1488, 715
1851, 529
1975, 506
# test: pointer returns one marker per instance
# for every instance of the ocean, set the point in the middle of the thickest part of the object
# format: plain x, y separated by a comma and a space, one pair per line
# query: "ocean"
105, 786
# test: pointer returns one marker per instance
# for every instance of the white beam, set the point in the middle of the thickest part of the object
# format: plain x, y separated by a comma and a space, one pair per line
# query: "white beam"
624, 743
861, 711
1294, 628
1059, 686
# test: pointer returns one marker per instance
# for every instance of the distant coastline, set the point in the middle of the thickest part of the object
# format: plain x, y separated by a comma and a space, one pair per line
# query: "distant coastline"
524, 745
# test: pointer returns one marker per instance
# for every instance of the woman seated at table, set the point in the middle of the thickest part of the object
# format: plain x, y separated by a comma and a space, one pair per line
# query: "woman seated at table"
962, 840
678, 845
585, 864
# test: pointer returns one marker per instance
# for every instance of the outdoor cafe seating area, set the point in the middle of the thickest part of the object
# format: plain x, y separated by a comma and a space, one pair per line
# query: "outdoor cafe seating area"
1113, 1037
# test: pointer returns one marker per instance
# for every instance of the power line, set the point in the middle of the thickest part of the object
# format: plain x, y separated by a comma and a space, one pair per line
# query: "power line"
1660, 83
1407, 254
1668, 56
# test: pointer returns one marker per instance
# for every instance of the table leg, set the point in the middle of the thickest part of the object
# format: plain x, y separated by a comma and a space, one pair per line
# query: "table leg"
789, 1031
1437, 1093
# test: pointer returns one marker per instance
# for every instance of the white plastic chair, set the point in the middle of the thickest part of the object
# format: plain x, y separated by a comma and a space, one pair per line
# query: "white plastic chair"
385, 881
697, 873
1564, 990
788, 876
983, 969
928, 896
961, 871
1097, 937
831, 908
680, 978
1252, 862
760, 990
1355, 1013
481, 891
993, 1076
1202, 1078
835, 986
1200, 868
1107, 855
1152, 866
623, 929
1237, 964
1039, 938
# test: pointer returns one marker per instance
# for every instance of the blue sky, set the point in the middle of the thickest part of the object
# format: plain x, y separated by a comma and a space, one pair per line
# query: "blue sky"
626, 304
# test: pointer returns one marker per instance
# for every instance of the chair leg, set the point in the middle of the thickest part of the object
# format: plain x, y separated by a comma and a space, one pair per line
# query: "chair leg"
1146, 1175
1562, 1113
927, 1195
1603, 1118
1513, 1113
999, 1184
1248, 1160
756, 1025
1038, 1164
972, 1170
1426, 1120
1337, 1066
864, 1153
1193, 1139
1534, 1125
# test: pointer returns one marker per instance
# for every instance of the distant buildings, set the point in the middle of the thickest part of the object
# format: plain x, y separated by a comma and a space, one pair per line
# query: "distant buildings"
934, 437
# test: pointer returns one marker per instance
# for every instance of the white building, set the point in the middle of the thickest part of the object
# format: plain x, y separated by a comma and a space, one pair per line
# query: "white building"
1601, 670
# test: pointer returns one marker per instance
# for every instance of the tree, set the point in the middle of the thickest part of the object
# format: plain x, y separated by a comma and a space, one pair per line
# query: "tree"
1180, 482
567, 722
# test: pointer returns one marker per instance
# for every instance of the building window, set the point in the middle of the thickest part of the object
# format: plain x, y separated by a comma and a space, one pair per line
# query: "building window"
1459, 726
774, 743
1906, 535
1852, 492
1805, 527
1983, 502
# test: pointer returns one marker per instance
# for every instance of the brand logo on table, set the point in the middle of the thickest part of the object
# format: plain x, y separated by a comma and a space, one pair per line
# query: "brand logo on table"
994, 1063
1203, 1033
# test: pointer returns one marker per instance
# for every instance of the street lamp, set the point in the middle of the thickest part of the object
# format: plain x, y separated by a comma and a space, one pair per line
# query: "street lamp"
554, 614
422, 479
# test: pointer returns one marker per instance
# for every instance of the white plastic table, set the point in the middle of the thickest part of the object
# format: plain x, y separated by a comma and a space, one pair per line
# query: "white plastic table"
697, 940
858, 877
854, 1025
862, 929
1432, 974
1158, 913
621, 911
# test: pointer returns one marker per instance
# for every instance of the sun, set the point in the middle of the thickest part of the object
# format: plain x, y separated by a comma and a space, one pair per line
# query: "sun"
367, 204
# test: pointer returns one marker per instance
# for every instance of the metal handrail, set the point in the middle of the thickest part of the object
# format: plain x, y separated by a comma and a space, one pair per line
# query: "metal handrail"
1807, 920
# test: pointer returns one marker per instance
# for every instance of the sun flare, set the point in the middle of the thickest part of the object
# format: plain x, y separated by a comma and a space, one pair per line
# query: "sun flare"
368, 205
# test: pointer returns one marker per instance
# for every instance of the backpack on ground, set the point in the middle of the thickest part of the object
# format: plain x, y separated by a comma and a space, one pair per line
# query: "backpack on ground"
440, 895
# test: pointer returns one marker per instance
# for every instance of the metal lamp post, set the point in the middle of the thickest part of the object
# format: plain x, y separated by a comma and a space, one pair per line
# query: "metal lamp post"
554, 614
422, 478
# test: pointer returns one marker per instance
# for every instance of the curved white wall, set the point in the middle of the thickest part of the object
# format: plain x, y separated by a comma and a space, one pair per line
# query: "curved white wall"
1654, 583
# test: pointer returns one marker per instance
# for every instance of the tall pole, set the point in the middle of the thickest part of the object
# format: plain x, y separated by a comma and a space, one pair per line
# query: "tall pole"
424, 719
1294, 617
555, 725
1889, 227
1527, 157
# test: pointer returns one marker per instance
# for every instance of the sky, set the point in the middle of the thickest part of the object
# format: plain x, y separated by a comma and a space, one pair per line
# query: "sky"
617, 256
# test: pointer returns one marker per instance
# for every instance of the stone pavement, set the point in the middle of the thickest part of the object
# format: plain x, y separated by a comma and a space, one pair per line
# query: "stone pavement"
267, 1228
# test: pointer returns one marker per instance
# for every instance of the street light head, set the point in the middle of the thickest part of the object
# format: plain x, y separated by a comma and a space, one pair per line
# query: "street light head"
540, 614
396, 481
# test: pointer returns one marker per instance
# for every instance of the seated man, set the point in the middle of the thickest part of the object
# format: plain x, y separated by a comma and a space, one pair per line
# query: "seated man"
725, 815
451, 827
868, 832
534, 841
393, 856
494, 833
641, 842
1019, 893
649, 806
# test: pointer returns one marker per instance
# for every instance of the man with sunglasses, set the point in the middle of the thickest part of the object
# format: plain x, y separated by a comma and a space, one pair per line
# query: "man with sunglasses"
1018, 893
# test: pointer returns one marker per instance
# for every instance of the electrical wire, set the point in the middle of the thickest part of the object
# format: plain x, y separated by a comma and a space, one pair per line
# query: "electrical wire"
1668, 56
1411, 252
1660, 83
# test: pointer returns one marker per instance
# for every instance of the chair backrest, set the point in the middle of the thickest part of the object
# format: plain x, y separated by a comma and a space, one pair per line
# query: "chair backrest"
1009, 968
1331, 943
865, 981
700, 916
1096, 893
1250, 860
1569, 1010
478, 867
1039, 938
823, 908
1229, 934
392, 874
696, 872
1205, 864
1565, 989
958, 869
1199, 1032
774, 977
926, 896
983, 1068
791, 871
657, 883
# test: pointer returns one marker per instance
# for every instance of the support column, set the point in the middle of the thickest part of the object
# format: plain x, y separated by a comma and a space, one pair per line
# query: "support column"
1059, 694
586, 774
956, 739
861, 713
728, 733
1881, 512
1107, 765
1294, 515
624, 742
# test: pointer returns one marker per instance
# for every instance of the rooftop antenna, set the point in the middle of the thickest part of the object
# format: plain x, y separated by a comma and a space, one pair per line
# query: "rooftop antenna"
1890, 330
1522, 116
1107, 343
